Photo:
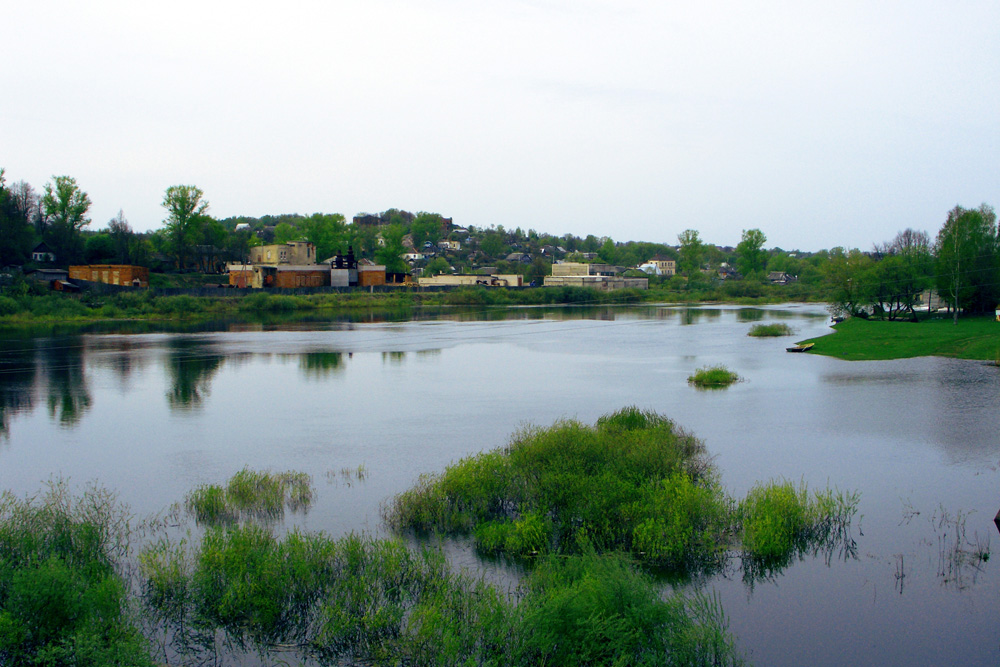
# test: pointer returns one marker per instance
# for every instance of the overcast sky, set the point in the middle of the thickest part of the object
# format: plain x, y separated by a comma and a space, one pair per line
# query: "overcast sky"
822, 124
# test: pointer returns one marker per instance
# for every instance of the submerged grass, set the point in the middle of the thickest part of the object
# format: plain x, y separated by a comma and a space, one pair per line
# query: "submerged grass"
713, 377
770, 330
634, 482
250, 494
360, 600
62, 600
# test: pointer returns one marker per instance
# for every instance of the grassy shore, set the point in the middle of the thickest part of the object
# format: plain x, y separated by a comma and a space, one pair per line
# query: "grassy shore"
867, 340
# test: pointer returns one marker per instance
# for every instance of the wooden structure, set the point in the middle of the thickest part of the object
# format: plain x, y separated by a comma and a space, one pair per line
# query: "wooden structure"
124, 275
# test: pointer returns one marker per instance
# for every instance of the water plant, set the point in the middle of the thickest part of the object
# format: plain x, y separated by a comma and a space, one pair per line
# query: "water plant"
770, 330
713, 377
363, 600
62, 600
250, 494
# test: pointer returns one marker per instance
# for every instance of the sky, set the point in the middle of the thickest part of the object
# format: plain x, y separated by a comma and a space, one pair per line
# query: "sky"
822, 124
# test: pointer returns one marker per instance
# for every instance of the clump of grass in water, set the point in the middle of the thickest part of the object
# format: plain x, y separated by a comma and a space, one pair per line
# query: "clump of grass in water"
713, 377
778, 521
770, 330
63, 599
250, 494
361, 600
634, 483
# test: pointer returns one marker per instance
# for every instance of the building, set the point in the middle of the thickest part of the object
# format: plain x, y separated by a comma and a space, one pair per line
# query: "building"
445, 280
283, 265
293, 252
597, 276
124, 275
659, 266
43, 253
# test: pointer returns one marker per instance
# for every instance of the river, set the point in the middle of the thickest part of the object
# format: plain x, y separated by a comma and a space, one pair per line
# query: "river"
152, 413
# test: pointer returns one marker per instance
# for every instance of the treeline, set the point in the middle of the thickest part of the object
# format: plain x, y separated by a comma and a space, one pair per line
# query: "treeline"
962, 263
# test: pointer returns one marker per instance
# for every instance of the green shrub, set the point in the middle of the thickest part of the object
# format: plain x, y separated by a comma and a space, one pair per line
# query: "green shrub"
770, 330
9, 306
713, 377
774, 518
250, 495
62, 601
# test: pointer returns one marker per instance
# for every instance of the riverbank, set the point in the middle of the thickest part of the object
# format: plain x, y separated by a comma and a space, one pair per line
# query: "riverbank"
870, 340
145, 305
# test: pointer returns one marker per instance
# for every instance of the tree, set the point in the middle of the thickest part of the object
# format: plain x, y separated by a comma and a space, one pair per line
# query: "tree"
847, 281
751, 258
607, 252
326, 231
493, 245
15, 227
426, 227
437, 266
65, 208
899, 274
391, 254
690, 252
285, 232
122, 237
966, 252
185, 209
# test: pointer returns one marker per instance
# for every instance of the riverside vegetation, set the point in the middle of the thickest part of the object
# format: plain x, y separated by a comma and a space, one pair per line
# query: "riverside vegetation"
770, 330
582, 508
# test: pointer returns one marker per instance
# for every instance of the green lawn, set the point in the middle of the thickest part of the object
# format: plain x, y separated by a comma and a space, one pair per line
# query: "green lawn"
859, 340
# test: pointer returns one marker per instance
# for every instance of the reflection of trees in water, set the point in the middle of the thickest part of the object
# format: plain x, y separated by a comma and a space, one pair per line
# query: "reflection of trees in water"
62, 362
692, 315
321, 364
749, 315
394, 358
18, 370
191, 366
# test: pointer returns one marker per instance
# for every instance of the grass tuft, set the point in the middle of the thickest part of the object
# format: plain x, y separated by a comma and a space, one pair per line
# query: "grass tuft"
770, 330
713, 377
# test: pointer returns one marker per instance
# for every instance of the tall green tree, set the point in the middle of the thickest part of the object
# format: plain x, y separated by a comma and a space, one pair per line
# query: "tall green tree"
326, 231
65, 207
846, 276
690, 252
967, 263
751, 258
391, 253
122, 237
15, 228
185, 211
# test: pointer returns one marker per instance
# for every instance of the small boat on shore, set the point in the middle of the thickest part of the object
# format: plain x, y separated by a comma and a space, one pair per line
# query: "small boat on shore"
802, 347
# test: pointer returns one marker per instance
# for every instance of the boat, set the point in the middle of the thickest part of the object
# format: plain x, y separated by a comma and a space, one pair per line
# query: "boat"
801, 347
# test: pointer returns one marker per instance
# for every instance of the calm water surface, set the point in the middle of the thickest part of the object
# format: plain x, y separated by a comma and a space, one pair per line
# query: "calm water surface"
154, 414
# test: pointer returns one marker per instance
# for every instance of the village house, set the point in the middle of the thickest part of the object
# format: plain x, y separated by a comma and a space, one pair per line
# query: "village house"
659, 266
501, 280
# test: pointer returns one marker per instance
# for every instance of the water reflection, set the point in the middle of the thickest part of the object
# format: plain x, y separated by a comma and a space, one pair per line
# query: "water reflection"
190, 365
394, 358
62, 363
316, 365
17, 381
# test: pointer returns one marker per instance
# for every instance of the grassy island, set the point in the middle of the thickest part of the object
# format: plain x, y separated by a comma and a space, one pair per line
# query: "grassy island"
713, 377
770, 330
857, 339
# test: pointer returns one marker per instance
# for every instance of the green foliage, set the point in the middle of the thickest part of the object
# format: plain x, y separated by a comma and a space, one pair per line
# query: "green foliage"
968, 259
713, 377
185, 219
751, 258
65, 206
550, 488
250, 495
779, 521
770, 330
61, 600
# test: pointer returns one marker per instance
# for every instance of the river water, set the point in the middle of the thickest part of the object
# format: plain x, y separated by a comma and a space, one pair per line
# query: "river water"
154, 413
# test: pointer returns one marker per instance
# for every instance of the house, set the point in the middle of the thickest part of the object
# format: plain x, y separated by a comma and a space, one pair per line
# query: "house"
520, 257
779, 278
124, 275
43, 253
449, 245
585, 269
659, 266
48, 276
